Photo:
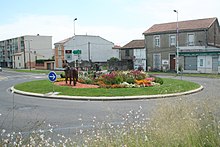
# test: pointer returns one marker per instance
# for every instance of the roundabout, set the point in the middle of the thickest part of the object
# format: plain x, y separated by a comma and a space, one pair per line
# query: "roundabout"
66, 113
170, 88
53, 95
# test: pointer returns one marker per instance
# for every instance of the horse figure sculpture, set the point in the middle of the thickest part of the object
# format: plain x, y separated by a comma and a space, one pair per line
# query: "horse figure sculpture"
70, 73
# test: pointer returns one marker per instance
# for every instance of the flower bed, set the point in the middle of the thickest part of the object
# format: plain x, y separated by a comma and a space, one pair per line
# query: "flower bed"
119, 79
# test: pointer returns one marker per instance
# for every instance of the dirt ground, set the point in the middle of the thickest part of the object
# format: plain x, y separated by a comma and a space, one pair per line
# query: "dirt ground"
78, 85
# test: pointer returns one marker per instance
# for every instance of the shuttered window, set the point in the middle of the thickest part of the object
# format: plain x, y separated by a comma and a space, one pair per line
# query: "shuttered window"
190, 63
191, 39
157, 41
157, 61
172, 40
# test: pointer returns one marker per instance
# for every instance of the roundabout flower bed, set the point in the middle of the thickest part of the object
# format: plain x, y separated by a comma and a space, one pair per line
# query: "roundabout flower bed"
117, 79
169, 86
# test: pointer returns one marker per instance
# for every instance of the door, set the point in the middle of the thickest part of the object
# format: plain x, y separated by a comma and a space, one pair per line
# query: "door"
48, 66
60, 63
172, 62
215, 63
157, 61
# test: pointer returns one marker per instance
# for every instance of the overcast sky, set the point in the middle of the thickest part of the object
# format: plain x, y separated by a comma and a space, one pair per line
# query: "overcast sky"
118, 21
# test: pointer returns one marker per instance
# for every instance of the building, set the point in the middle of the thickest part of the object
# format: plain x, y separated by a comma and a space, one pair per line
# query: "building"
59, 52
30, 57
80, 48
23, 51
199, 46
134, 54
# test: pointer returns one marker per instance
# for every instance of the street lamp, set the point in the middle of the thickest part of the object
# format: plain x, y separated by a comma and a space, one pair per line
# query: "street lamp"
74, 25
177, 43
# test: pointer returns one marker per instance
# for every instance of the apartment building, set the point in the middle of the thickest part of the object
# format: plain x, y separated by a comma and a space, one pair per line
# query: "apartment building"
23, 51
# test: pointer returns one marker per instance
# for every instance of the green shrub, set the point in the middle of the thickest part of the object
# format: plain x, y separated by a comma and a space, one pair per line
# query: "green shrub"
158, 80
130, 80
88, 81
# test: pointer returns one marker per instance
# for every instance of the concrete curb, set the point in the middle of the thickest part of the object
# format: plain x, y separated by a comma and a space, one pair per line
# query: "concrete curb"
65, 97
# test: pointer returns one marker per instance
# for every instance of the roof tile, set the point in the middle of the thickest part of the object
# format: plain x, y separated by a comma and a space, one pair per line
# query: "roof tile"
134, 44
183, 25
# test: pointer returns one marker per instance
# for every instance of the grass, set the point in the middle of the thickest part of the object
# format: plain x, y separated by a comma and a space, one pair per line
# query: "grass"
178, 123
35, 71
205, 75
169, 86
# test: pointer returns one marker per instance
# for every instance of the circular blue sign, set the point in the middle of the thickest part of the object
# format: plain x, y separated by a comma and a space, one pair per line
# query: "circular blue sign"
52, 76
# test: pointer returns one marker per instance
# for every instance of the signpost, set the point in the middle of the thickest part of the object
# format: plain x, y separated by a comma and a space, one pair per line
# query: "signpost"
52, 76
76, 52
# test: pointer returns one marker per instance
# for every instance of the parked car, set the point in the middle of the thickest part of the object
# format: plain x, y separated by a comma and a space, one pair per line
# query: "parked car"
0, 69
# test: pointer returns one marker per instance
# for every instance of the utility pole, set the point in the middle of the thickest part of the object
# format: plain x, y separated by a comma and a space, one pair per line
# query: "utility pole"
74, 26
29, 48
177, 43
89, 52
24, 58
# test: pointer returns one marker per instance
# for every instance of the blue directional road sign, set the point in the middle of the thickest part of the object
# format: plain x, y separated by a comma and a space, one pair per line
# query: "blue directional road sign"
52, 76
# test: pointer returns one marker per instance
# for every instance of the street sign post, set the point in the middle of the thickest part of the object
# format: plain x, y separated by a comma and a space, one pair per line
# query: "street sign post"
52, 76
76, 52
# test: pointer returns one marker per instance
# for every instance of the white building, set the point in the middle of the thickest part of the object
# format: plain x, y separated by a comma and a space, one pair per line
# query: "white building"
18, 60
84, 48
40, 47
140, 58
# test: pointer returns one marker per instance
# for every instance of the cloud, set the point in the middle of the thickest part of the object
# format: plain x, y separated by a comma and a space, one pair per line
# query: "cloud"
61, 27
56, 26
135, 18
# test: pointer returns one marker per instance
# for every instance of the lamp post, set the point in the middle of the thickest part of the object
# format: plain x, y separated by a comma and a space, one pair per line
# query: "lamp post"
177, 43
29, 48
74, 25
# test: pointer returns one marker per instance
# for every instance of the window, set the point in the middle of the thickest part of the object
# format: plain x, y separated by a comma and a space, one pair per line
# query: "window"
59, 51
127, 53
201, 62
190, 62
190, 40
157, 41
172, 40
68, 51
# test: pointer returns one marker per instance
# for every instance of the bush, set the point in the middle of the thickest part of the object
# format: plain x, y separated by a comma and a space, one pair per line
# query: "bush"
130, 80
139, 75
158, 80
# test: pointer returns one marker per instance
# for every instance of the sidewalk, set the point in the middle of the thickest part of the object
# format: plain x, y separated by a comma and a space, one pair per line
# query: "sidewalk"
54, 95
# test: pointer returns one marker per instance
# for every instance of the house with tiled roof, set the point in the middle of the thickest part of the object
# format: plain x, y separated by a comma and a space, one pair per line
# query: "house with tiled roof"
134, 53
198, 41
59, 52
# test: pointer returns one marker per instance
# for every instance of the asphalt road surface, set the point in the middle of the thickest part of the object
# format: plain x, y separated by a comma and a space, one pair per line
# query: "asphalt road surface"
21, 113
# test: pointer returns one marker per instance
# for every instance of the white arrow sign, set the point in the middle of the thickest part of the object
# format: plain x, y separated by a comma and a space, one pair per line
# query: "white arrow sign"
52, 76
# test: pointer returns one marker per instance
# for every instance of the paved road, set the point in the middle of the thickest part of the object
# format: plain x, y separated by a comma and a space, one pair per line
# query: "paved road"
24, 113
